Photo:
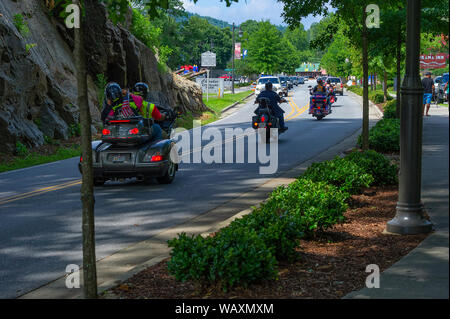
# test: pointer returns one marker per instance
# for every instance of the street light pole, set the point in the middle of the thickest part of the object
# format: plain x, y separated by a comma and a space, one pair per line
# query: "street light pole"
409, 218
232, 66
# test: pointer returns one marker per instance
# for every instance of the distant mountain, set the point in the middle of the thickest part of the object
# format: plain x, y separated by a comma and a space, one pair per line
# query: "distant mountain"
217, 22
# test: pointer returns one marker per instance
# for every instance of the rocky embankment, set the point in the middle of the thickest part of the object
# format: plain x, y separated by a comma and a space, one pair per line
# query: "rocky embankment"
38, 76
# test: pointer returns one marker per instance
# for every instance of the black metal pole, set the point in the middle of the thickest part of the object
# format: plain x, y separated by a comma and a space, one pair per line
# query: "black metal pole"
232, 67
409, 218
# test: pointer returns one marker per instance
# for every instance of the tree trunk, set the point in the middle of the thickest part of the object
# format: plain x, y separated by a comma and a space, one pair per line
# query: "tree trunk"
365, 65
375, 79
87, 187
399, 61
385, 86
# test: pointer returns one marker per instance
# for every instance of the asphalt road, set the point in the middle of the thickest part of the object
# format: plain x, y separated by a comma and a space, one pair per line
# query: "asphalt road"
40, 209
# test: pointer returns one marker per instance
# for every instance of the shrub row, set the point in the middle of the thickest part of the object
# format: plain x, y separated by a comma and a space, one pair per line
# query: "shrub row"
384, 136
389, 111
375, 96
249, 248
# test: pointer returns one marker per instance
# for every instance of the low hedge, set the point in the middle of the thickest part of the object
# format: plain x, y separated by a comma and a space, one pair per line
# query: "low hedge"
249, 249
384, 136
345, 175
376, 97
377, 165
233, 257
389, 110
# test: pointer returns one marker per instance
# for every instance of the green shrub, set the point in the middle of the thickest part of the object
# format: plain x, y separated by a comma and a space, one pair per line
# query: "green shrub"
384, 136
345, 175
21, 24
377, 165
101, 84
376, 97
232, 257
21, 149
279, 230
75, 130
389, 111
312, 205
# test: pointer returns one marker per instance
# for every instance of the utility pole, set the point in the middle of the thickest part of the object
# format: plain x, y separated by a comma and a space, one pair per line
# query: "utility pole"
409, 218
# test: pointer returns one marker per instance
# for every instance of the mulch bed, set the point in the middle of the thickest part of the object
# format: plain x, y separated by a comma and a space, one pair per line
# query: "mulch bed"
330, 265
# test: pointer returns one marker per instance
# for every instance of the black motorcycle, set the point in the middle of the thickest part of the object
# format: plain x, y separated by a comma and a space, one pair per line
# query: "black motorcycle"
264, 120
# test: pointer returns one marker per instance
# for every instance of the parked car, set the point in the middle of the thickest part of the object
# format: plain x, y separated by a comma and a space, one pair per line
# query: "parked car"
301, 80
337, 84
294, 80
227, 77
284, 84
439, 84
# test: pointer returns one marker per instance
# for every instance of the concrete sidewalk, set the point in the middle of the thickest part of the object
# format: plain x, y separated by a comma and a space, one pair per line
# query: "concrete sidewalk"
424, 272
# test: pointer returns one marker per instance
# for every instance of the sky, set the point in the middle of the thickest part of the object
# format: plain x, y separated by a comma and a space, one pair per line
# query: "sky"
243, 11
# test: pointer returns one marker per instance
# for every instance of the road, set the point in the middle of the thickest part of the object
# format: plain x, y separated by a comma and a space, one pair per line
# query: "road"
40, 209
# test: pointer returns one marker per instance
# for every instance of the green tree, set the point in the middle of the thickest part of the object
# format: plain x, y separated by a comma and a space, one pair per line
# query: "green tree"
265, 51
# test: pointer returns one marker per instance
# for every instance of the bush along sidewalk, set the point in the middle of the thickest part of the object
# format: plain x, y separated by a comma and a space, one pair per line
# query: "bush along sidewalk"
384, 137
249, 249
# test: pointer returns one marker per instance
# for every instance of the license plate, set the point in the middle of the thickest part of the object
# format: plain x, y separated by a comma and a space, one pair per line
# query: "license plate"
119, 158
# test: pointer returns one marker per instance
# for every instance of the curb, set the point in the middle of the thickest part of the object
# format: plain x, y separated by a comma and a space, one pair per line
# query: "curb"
236, 103
371, 104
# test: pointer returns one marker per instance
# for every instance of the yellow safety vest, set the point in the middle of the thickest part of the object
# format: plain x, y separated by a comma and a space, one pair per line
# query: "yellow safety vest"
147, 109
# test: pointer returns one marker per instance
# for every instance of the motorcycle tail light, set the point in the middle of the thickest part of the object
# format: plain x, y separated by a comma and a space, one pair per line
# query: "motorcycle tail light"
133, 131
318, 107
81, 159
157, 158
263, 119
106, 132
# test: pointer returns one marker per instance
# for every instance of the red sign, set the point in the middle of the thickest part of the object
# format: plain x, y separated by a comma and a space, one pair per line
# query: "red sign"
430, 61
237, 50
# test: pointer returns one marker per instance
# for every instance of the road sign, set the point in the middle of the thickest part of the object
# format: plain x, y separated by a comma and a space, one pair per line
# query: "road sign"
208, 59
213, 86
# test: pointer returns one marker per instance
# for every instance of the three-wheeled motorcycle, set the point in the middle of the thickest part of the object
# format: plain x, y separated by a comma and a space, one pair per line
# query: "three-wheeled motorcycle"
128, 150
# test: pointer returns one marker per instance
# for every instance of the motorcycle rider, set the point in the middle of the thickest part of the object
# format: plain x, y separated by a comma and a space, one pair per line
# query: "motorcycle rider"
120, 102
321, 89
274, 99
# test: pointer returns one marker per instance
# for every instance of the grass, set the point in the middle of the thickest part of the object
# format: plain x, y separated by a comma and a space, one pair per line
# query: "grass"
215, 104
33, 159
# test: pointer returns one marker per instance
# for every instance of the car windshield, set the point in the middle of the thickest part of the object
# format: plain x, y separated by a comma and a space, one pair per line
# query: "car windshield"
445, 78
283, 79
265, 80
335, 80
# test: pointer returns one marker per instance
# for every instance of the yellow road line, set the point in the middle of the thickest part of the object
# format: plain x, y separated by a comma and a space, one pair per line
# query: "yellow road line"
39, 191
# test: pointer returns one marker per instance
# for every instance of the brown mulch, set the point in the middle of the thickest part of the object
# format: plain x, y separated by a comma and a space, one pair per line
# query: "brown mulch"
330, 266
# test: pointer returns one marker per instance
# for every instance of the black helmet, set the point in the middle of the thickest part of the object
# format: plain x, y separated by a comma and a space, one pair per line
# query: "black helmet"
141, 89
329, 81
113, 91
269, 86
319, 81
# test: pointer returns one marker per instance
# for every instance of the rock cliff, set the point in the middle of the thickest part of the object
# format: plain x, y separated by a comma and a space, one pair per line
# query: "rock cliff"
38, 76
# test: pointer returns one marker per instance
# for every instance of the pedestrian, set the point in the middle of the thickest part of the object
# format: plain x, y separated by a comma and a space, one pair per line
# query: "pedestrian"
428, 85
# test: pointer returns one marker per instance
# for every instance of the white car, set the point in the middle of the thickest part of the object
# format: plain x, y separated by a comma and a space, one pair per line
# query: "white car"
261, 84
